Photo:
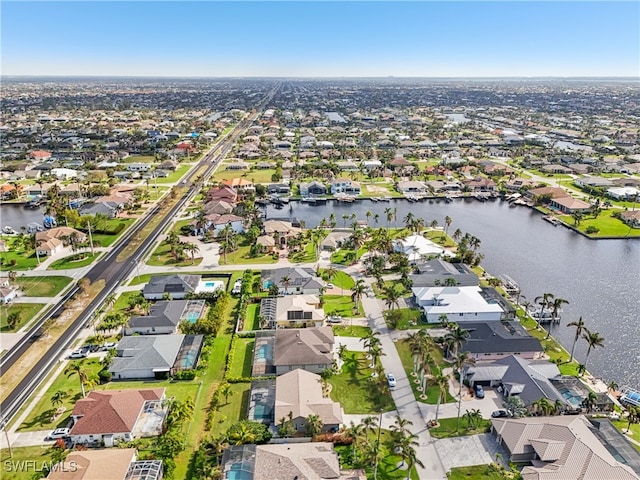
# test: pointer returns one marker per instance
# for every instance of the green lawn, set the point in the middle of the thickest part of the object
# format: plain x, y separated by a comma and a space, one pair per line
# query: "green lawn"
485, 472
17, 258
31, 458
341, 305
635, 428
175, 176
179, 389
407, 362
40, 417
256, 176
406, 318
447, 427
356, 390
74, 261
347, 330
48, 286
162, 257
28, 312
242, 357
232, 409
241, 256
308, 255
608, 225
251, 318
340, 256
139, 159
340, 280
106, 239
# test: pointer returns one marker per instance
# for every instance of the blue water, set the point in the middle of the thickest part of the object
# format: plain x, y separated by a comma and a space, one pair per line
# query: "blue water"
189, 360
210, 284
192, 316
263, 352
267, 284
237, 473
573, 399
259, 412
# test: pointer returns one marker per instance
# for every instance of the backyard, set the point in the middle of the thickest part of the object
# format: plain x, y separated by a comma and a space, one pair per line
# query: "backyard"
242, 358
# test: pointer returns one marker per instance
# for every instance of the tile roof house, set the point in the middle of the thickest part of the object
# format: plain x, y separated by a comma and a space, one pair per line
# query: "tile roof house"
108, 416
495, 340
570, 205
631, 218
177, 286
302, 461
559, 447
227, 194
301, 280
106, 464
151, 356
306, 348
528, 379
163, 318
292, 311
299, 393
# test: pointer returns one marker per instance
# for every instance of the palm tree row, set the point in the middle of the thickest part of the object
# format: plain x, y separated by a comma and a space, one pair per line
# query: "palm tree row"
593, 340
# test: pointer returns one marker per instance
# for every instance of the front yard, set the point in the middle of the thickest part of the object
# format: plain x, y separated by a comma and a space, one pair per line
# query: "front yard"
341, 305
48, 286
76, 260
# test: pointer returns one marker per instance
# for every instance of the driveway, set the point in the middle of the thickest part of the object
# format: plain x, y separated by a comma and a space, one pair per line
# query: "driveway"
468, 451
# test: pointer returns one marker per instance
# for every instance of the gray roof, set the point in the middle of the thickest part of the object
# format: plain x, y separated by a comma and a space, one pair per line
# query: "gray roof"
161, 314
146, 352
493, 337
171, 284
436, 272
303, 346
298, 277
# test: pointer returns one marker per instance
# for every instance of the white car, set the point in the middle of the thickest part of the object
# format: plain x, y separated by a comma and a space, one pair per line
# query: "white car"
58, 433
108, 346
329, 285
391, 380
78, 354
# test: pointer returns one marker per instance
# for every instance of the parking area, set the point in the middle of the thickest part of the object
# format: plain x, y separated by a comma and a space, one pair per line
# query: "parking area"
470, 450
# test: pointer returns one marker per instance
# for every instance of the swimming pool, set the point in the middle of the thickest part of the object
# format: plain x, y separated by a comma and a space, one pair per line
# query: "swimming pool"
267, 284
238, 472
189, 359
571, 397
209, 284
192, 316
263, 352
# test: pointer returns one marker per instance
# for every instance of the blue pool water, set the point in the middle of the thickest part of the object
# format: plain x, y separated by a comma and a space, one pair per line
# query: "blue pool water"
267, 284
263, 352
573, 399
192, 317
210, 284
259, 412
237, 473
189, 360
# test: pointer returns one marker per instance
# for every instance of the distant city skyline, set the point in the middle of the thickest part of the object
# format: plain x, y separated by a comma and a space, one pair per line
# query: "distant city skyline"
321, 39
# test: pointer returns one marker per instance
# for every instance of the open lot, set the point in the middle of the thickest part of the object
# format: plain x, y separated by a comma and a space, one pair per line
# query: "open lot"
48, 286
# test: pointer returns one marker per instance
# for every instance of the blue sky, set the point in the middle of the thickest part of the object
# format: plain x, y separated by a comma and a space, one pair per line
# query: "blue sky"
431, 39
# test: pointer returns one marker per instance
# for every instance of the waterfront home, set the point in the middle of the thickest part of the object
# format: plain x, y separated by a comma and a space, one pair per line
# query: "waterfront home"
552, 192
458, 304
217, 223
312, 188
417, 248
292, 311
411, 186
346, 186
219, 207
304, 461
224, 193
437, 272
631, 218
488, 341
624, 193
334, 240
280, 230
177, 286
239, 184
106, 417
564, 447
106, 464
298, 395
309, 349
570, 205
480, 184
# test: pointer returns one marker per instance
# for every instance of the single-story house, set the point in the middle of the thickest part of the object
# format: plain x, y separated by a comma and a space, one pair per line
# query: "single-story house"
437, 272
7, 294
66, 235
106, 464
302, 461
553, 192
570, 205
106, 417
280, 230
334, 240
177, 286
163, 318
411, 186
310, 349
309, 189
418, 248
300, 280
299, 394
155, 356
488, 341
239, 184
49, 247
623, 193
562, 447
292, 311
459, 304
631, 218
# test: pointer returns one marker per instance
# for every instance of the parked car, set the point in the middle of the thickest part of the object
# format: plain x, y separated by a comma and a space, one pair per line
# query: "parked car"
500, 413
237, 287
391, 380
334, 319
109, 346
78, 354
329, 285
479, 391
58, 433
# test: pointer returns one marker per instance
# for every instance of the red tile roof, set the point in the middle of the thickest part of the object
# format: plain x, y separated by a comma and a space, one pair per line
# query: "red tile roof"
111, 411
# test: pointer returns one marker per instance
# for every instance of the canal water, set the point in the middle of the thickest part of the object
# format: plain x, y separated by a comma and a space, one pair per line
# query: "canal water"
600, 278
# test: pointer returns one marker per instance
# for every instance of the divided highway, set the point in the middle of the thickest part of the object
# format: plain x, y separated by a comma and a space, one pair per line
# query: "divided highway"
113, 273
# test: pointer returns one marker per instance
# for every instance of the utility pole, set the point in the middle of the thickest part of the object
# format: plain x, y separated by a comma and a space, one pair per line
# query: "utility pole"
90, 237
375, 466
6, 434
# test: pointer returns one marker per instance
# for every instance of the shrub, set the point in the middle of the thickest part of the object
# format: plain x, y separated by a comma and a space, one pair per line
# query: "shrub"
592, 229
185, 375
104, 375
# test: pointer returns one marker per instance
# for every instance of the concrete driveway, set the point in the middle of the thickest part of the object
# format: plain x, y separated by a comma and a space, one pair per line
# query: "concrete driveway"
470, 450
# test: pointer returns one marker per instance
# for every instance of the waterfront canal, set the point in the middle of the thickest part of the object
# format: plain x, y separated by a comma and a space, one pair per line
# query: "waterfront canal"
600, 278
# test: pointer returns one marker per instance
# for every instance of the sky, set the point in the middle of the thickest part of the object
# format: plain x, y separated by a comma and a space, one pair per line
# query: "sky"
321, 39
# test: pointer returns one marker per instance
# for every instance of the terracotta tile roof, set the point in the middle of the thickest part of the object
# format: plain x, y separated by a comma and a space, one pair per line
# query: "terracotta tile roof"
106, 464
111, 411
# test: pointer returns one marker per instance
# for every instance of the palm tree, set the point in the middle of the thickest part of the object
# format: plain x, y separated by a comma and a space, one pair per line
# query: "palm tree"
593, 340
376, 218
410, 456
415, 346
461, 360
442, 382
545, 300
57, 399
457, 235
580, 326
456, 338
447, 222
76, 368
314, 425
357, 434
392, 297
357, 291
400, 427
633, 416
368, 215
408, 220
590, 401
556, 305
285, 281
192, 248
369, 423
389, 214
